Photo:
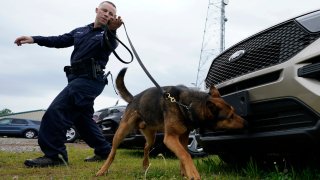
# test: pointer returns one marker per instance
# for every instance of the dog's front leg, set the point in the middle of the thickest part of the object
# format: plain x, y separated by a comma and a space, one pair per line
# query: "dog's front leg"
184, 140
173, 143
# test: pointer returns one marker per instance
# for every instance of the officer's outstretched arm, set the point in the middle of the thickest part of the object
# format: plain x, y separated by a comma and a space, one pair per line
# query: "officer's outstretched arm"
24, 40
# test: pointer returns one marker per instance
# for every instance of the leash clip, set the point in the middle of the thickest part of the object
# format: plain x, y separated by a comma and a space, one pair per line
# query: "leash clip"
168, 96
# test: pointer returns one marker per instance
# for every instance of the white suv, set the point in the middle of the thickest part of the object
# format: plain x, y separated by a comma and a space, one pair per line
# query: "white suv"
273, 80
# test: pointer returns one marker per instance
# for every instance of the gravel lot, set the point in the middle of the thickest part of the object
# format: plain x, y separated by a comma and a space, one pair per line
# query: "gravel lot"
23, 144
18, 144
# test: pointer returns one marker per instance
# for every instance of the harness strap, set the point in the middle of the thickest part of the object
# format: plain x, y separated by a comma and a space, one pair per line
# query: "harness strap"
185, 109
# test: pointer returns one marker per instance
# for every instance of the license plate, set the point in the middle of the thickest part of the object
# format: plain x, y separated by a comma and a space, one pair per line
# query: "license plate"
240, 102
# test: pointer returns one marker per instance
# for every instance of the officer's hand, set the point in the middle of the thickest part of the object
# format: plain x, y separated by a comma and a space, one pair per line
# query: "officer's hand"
114, 24
24, 40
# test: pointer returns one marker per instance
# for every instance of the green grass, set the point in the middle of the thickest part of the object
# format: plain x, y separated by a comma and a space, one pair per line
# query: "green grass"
128, 165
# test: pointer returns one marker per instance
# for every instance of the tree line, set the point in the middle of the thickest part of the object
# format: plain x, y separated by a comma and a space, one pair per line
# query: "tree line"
5, 111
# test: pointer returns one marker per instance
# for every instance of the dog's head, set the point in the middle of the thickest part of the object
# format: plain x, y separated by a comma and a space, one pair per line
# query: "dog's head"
221, 114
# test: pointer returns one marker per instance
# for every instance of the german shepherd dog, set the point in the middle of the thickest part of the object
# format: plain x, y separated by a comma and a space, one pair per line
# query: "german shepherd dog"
176, 115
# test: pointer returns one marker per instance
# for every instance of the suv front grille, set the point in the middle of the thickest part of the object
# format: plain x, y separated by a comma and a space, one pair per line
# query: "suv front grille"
268, 48
275, 115
281, 114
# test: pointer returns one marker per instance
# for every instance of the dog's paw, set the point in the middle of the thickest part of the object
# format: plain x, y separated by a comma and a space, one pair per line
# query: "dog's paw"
99, 173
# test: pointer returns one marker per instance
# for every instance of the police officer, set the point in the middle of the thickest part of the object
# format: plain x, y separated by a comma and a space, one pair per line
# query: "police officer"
74, 104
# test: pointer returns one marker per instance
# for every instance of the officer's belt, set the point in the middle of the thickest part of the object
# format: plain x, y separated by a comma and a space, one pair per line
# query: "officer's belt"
84, 67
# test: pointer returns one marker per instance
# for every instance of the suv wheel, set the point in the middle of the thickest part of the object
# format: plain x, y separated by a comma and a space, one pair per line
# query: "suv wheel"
72, 135
194, 148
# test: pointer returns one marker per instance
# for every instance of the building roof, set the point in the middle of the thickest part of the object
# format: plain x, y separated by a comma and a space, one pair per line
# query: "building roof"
33, 115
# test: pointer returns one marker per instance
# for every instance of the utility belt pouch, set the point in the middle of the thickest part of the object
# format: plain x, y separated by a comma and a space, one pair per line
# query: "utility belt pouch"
67, 70
86, 67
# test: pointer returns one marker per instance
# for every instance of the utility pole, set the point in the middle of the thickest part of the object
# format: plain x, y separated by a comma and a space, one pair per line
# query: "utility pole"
223, 24
213, 42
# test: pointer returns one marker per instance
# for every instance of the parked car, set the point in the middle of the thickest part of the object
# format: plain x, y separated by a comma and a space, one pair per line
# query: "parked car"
108, 125
108, 120
19, 127
72, 135
273, 80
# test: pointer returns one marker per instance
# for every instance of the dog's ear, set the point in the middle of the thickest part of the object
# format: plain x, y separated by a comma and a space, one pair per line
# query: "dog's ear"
214, 92
213, 108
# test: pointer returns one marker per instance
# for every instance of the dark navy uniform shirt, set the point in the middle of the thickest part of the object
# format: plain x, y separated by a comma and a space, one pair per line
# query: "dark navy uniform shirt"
88, 43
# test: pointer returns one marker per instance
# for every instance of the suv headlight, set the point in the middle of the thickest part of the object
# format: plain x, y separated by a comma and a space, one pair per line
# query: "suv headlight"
310, 21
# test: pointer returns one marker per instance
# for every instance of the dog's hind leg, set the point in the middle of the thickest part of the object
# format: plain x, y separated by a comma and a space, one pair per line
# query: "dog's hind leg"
150, 136
126, 125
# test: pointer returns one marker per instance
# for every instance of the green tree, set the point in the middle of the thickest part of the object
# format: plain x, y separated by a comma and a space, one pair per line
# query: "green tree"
5, 111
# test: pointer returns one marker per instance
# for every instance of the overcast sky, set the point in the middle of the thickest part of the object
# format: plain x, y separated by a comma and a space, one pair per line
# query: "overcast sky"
166, 33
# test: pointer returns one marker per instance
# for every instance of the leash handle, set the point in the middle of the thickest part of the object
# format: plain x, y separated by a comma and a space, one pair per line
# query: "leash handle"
140, 62
113, 50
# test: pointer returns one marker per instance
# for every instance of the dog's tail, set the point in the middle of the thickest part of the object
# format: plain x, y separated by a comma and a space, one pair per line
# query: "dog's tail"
123, 91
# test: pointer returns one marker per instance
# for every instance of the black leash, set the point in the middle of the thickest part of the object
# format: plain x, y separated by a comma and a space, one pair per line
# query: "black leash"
141, 64
106, 40
135, 54
165, 94
105, 78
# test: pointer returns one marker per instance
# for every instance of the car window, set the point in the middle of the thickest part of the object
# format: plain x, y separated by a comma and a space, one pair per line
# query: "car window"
5, 121
19, 121
114, 111
37, 122
102, 110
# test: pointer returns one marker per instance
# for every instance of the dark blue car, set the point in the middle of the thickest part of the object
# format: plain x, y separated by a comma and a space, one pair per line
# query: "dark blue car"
19, 127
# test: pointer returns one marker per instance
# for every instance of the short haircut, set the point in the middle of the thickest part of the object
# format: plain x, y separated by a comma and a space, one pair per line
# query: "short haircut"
109, 3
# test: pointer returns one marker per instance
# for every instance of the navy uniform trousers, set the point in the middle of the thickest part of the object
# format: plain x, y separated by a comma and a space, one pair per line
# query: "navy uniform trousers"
73, 106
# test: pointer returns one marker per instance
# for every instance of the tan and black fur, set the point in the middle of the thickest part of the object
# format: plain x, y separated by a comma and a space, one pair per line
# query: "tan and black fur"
150, 112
